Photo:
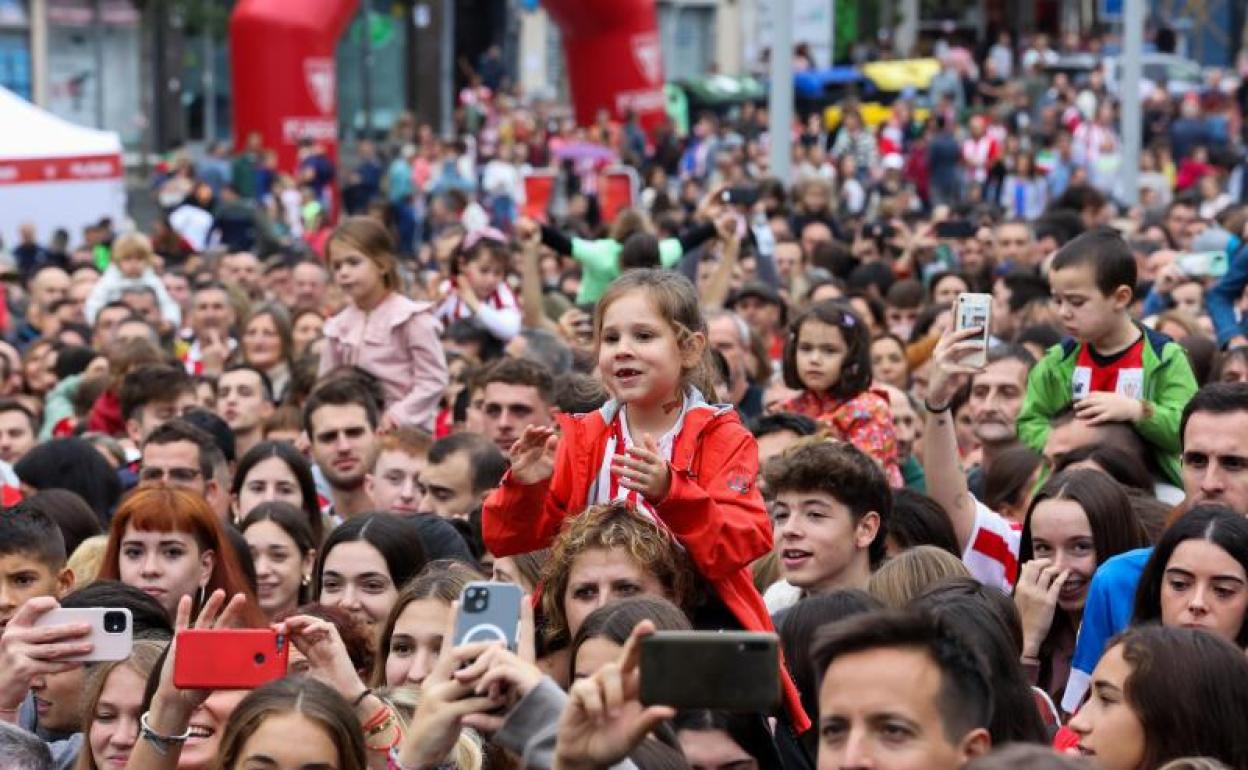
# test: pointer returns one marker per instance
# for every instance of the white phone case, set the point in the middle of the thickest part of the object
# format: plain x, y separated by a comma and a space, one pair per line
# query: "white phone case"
107, 642
974, 310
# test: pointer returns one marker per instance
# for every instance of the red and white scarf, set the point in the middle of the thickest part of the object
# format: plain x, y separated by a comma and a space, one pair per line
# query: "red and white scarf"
608, 488
454, 308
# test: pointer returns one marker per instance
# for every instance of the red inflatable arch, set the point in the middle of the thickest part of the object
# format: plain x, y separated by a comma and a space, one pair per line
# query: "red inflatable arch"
283, 73
614, 60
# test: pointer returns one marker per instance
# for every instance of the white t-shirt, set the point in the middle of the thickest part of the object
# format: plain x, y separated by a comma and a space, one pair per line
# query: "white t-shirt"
992, 552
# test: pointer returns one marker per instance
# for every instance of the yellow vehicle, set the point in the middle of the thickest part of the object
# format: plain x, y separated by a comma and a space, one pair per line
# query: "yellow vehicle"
886, 81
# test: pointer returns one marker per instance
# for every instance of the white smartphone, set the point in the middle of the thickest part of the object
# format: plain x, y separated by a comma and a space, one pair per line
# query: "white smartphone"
974, 311
112, 630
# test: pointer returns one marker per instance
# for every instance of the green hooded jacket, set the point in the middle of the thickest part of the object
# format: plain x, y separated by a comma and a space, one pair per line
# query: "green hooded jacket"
1168, 385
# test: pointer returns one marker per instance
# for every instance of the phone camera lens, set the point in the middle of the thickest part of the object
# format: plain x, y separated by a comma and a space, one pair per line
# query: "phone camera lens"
114, 622
259, 658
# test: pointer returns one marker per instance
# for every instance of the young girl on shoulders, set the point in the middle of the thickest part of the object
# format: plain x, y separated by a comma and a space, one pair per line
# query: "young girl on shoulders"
828, 358
478, 285
657, 444
381, 330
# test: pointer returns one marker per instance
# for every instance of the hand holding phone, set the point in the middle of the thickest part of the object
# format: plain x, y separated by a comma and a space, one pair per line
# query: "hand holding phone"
229, 658
28, 650
974, 311
489, 612
110, 634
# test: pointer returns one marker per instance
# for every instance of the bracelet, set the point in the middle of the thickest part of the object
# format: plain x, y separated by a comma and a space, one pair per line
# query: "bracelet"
933, 410
380, 727
360, 698
162, 743
376, 719
391, 746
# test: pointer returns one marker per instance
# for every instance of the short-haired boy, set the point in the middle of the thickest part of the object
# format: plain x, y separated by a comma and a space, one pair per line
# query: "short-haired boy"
1110, 368
32, 567
32, 560
830, 505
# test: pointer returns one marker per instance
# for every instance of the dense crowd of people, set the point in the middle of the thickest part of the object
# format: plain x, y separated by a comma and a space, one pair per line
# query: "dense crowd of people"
325, 402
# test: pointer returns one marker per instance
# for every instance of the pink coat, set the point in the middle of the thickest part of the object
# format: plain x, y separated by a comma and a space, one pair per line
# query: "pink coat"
397, 342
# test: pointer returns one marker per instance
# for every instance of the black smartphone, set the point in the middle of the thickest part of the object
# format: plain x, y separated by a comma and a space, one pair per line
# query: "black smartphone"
735, 671
740, 196
955, 228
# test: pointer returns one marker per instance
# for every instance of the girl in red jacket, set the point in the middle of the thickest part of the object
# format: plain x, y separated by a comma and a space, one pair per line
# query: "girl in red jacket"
657, 444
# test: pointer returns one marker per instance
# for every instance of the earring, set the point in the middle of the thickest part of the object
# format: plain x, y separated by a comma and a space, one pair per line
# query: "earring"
199, 598
307, 579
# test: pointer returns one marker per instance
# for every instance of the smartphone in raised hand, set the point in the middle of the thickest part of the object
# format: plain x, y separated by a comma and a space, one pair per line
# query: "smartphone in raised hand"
974, 311
111, 635
229, 658
489, 612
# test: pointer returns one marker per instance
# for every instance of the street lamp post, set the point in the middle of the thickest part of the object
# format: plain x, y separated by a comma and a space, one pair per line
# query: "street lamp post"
1129, 93
780, 102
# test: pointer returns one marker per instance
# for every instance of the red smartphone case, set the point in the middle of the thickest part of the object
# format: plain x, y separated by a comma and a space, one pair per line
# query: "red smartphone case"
229, 659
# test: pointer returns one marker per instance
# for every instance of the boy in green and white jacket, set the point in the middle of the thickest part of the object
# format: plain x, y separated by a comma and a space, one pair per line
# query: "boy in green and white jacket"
1110, 368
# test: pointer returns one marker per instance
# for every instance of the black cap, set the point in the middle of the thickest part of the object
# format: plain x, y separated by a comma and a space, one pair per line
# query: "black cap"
759, 290
216, 427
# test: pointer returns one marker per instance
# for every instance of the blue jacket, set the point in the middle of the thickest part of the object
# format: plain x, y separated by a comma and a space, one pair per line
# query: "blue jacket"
1225, 293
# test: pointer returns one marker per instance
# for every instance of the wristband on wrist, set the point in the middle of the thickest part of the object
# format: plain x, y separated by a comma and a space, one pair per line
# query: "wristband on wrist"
936, 410
360, 698
162, 743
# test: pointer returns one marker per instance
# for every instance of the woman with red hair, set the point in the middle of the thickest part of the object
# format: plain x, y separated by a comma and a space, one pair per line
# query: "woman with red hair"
169, 544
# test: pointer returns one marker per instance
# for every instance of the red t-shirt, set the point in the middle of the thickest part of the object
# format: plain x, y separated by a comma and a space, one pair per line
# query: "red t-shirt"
1121, 373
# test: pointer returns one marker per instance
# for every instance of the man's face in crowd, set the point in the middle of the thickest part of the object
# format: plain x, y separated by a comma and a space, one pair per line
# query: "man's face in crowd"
394, 484
881, 709
905, 422
814, 234
762, 316
1014, 245
241, 401
179, 289
241, 269
1215, 459
16, 436
147, 417
279, 285
106, 322
817, 538
725, 336
175, 464
309, 282
144, 305
788, 259
1178, 221
448, 487
773, 445
344, 445
996, 399
49, 287
509, 409
212, 310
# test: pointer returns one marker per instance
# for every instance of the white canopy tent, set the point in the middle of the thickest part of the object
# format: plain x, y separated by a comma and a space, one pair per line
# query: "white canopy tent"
55, 173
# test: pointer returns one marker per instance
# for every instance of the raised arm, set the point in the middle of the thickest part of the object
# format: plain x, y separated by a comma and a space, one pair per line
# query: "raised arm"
533, 316
946, 483
715, 293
